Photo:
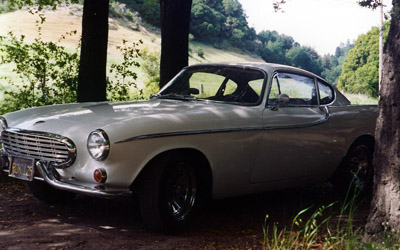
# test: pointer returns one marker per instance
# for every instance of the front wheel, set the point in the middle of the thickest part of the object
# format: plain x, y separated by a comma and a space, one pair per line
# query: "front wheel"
168, 193
355, 174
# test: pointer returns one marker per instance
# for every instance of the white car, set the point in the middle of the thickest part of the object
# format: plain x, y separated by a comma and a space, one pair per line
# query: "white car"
216, 130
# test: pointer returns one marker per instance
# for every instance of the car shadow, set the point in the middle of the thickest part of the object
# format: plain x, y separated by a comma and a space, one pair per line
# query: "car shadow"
220, 224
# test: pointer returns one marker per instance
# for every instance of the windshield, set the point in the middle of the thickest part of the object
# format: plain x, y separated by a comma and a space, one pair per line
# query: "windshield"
218, 83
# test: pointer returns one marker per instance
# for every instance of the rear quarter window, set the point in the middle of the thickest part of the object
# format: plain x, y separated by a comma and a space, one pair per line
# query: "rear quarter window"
325, 93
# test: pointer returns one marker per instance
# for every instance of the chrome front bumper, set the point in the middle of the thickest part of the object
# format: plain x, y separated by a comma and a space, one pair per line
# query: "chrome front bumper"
50, 176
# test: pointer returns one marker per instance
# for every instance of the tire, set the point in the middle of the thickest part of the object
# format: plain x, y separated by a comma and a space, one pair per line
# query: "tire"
48, 194
355, 174
168, 193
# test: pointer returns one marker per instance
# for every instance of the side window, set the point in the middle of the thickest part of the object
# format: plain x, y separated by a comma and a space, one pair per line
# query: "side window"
300, 89
325, 93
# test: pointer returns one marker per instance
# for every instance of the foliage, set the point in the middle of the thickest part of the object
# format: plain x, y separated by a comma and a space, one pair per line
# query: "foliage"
223, 23
151, 66
277, 48
212, 21
149, 10
305, 58
5, 6
47, 72
118, 89
200, 52
332, 64
360, 69
120, 11
40, 4
206, 22
372, 4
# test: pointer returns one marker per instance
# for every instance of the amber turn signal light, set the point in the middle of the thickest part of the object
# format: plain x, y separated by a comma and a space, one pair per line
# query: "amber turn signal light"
100, 175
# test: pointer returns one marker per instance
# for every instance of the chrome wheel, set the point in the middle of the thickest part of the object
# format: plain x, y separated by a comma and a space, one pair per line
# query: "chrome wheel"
181, 191
168, 192
359, 165
354, 176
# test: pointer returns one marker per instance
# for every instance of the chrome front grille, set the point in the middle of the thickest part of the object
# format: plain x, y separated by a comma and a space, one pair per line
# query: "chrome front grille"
40, 146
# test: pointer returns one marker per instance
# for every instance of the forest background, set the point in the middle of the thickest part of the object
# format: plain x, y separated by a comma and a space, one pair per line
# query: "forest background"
219, 31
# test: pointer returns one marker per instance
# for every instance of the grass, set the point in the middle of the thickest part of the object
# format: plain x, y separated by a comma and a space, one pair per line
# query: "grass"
331, 227
361, 99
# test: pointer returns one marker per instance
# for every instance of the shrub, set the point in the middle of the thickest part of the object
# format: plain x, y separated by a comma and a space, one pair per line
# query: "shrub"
48, 73
200, 52
118, 88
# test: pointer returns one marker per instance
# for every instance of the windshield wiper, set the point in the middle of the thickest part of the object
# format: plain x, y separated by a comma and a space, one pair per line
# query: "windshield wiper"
175, 96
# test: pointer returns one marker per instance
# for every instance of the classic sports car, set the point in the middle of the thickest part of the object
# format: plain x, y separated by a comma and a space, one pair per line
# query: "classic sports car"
215, 130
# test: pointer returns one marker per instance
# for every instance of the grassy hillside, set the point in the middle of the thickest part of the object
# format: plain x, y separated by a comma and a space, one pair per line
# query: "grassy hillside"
69, 18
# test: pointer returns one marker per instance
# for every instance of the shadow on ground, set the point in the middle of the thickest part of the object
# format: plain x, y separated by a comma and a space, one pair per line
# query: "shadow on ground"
89, 223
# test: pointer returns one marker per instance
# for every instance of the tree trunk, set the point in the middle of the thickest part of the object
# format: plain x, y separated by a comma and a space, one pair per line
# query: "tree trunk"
175, 21
385, 206
92, 69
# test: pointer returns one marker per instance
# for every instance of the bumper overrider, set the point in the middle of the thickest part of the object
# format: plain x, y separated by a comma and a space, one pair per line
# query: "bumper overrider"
45, 167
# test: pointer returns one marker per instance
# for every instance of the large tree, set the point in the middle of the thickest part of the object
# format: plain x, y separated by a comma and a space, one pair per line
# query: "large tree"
385, 206
92, 69
175, 21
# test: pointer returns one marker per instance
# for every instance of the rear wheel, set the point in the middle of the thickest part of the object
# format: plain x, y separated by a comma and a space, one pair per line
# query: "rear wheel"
355, 174
168, 193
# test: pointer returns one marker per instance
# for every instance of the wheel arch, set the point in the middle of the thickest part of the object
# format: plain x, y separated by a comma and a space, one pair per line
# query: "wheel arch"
339, 178
202, 167
366, 138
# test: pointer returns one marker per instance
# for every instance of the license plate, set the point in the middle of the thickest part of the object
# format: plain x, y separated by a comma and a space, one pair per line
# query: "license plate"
22, 168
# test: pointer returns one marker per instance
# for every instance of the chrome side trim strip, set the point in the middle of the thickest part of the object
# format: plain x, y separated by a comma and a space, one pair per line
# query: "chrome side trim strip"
51, 179
228, 130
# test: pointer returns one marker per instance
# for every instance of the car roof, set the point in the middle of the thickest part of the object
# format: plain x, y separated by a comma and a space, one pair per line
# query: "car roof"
269, 68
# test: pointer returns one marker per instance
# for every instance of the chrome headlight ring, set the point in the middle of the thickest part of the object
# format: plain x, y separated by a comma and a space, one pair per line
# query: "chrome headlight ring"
3, 124
98, 145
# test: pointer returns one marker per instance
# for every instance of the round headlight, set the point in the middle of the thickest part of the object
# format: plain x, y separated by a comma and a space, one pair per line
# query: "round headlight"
98, 145
3, 124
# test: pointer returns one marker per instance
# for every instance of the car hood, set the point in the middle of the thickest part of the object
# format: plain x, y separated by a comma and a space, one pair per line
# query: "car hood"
127, 119
92, 114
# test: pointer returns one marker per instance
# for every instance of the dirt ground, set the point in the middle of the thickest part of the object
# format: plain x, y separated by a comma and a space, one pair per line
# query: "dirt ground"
90, 223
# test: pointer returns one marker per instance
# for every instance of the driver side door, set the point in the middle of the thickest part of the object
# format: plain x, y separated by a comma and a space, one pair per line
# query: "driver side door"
292, 146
